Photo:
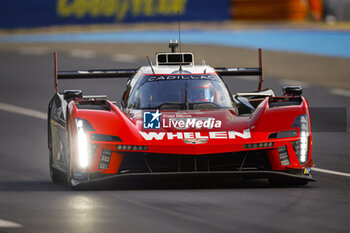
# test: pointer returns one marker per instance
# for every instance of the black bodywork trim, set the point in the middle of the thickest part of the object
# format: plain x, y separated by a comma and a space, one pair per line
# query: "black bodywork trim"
106, 138
92, 74
244, 174
238, 71
139, 161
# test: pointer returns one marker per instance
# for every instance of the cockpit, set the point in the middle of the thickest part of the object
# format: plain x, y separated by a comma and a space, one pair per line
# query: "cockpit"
184, 91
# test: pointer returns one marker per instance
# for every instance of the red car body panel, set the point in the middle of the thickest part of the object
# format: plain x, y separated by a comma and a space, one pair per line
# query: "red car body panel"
261, 124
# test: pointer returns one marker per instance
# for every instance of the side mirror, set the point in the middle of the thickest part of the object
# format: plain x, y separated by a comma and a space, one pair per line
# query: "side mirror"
292, 90
72, 94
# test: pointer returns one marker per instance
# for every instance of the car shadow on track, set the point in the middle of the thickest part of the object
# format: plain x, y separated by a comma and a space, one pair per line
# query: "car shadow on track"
142, 183
157, 183
30, 186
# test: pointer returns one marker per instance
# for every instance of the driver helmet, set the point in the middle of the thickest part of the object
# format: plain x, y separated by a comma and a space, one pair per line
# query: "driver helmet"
202, 92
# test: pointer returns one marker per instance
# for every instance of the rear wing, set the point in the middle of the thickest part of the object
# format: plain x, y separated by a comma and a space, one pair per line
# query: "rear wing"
256, 71
127, 73
90, 74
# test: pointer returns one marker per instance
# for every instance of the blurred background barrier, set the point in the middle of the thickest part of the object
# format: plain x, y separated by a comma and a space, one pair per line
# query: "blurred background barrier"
39, 13
336, 10
286, 10
42, 13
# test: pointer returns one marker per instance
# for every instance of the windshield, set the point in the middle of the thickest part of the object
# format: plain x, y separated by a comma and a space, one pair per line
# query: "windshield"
180, 91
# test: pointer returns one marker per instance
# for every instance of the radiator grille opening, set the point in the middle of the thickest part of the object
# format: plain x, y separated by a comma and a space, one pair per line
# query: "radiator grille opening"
148, 162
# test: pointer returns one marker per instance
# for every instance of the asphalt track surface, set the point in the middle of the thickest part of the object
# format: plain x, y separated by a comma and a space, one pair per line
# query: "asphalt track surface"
30, 202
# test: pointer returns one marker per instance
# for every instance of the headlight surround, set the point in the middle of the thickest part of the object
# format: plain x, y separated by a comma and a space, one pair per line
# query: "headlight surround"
82, 142
284, 134
301, 147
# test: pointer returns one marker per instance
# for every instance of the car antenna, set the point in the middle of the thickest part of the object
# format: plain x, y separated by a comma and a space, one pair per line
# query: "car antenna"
178, 16
150, 63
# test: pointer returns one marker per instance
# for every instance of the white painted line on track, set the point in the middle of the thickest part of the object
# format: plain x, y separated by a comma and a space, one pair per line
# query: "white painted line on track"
81, 53
8, 224
289, 82
33, 51
341, 92
128, 58
23, 111
330, 172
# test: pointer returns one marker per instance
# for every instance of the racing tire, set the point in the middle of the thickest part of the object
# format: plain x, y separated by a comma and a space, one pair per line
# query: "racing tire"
278, 182
69, 176
54, 173
69, 169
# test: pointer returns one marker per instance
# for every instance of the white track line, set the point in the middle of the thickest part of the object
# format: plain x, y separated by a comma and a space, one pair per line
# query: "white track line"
128, 58
341, 92
80, 53
8, 224
330, 172
33, 51
23, 111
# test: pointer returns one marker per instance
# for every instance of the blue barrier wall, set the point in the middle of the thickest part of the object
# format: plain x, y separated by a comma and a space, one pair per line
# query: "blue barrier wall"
39, 13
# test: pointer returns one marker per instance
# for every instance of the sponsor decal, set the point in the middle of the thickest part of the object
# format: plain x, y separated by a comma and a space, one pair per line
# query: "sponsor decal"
181, 77
151, 119
307, 171
197, 123
149, 136
195, 141
121, 10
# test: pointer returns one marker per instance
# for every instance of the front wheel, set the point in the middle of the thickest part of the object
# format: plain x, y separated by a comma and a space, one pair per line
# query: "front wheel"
69, 175
69, 165
54, 173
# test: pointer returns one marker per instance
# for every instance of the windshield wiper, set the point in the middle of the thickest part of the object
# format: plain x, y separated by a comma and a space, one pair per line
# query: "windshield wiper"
206, 105
171, 106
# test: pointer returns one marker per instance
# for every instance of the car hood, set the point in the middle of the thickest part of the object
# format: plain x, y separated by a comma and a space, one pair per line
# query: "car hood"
202, 131
189, 120
193, 131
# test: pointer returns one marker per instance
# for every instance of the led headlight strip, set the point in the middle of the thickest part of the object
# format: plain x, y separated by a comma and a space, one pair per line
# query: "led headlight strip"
283, 154
301, 147
131, 148
105, 159
82, 142
258, 145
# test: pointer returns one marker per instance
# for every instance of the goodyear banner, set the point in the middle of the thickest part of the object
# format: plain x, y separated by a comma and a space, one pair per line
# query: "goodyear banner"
39, 13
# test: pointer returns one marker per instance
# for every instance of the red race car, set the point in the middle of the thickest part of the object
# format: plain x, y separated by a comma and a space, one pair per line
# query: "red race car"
178, 118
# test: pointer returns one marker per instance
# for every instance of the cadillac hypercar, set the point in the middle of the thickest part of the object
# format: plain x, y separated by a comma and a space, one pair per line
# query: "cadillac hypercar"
179, 118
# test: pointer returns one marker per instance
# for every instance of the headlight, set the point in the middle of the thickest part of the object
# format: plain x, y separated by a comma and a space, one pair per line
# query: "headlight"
82, 142
301, 147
